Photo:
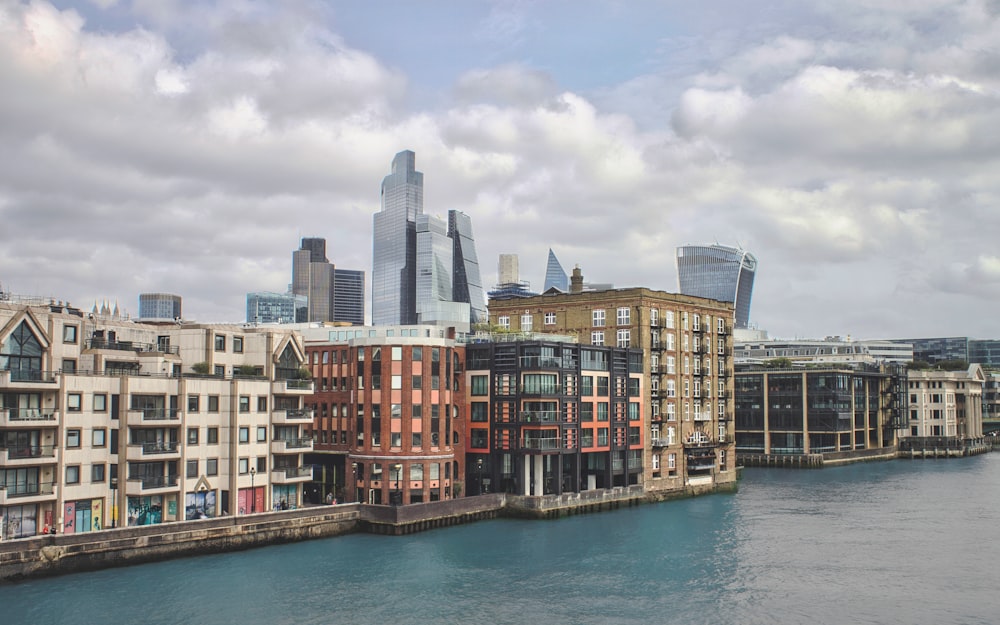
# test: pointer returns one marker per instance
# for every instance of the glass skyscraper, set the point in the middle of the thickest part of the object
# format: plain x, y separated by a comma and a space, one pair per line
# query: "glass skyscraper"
332, 294
424, 270
555, 275
718, 272
394, 244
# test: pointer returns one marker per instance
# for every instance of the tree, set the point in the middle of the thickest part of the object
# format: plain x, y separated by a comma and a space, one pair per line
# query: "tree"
201, 368
778, 363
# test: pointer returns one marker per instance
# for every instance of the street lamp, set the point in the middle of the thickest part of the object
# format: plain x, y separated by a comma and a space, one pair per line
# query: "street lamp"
253, 493
479, 474
354, 480
114, 502
399, 491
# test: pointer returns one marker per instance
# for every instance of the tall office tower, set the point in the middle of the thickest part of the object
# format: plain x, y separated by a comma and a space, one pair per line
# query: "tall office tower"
718, 272
314, 277
555, 275
507, 270
159, 306
467, 282
435, 260
394, 243
349, 296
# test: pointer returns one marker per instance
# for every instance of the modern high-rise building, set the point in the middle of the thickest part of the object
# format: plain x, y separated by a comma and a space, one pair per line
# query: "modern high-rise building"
718, 272
555, 275
394, 243
159, 306
424, 270
314, 277
507, 269
276, 308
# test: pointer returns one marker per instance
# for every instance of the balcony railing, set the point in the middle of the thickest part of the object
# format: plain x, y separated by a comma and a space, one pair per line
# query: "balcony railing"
660, 442
157, 414
155, 449
540, 416
26, 490
27, 416
281, 445
28, 452
130, 346
304, 414
27, 375
291, 473
541, 443
154, 482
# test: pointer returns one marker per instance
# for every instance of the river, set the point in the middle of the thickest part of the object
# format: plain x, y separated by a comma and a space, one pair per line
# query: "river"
886, 542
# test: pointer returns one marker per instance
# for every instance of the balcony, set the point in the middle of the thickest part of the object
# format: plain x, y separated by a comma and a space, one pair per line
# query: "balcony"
34, 380
130, 346
17, 494
292, 445
154, 451
291, 475
28, 418
138, 486
701, 461
540, 416
541, 444
699, 440
292, 387
292, 417
152, 416
660, 442
29, 456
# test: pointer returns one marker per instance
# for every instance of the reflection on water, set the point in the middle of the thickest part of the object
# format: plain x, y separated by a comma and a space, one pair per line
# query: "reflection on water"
891, 542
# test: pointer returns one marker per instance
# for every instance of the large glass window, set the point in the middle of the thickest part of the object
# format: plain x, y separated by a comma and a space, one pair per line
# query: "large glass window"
22, 354
480, 385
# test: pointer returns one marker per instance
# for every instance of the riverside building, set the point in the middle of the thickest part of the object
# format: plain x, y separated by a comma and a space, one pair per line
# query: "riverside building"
107, 422
687, 347
945, 407
819, 410
387, 403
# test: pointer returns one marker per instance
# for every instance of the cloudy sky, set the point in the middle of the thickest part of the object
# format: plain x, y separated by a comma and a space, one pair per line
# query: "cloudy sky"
852, 146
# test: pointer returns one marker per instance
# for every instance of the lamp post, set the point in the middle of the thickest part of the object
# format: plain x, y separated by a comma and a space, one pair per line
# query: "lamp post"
354, 480
479, 474
114, 502
399, 491
253, 493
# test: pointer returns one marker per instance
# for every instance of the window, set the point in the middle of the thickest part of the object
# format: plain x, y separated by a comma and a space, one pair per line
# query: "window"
597, 338
417, 382
100, 402
624, 316
97, 473
219, 371
480, 385
598, 318
237, 344
654, 317
262, 403
396, 382
192, 436
73, 438
656, 462
213, 436
624, 338
397, 353
671, 461
480, 411
220, 342
244, 466
586, 385
192, 468
69, 334
550, 319
244, 403
417, 354
602, 411
74, 402
193, 403
633, 411
212, 466
73, 474
213, 403
262, 434
504, 322
722, 459
98, 438
602, 386
244, 435
69, 365
526, 323
602, 436
668, 319
416, 439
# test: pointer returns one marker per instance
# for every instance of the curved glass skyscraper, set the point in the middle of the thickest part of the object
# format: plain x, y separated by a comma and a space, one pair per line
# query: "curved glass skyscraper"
720, 273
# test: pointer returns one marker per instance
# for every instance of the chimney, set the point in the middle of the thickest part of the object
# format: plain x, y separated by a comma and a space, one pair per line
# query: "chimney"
576, 281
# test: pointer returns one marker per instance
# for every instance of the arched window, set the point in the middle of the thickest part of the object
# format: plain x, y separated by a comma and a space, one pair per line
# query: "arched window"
22, 354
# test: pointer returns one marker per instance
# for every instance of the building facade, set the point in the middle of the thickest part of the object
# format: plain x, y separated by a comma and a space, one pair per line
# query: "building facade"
159, 307
818, 410
830, 350
687, 369
277, 308
555, 275
387, 405
547, 417
332, 294
946, 404
108, 422
718, 272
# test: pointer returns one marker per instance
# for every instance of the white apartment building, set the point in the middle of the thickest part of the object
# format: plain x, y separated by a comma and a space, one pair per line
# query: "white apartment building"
108, 422
947, 404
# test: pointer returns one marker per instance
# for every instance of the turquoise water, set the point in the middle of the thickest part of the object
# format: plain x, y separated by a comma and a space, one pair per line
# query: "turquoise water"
890, 542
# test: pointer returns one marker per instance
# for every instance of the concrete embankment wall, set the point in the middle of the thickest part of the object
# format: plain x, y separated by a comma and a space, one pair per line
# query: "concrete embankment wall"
71, 553
817, 461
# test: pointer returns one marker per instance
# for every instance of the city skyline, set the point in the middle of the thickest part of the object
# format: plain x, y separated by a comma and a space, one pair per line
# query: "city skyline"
184, 148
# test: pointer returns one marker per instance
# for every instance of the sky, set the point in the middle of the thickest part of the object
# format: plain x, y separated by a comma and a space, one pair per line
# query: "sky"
185, 147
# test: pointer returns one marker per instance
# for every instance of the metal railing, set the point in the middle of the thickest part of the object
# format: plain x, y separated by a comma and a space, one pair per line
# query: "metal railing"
164, 447
29, 414
293, 472
28, 490
296, 443
540, 443
157, 414
130, 346
31, 451
540, 416
31, 375
158, 481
